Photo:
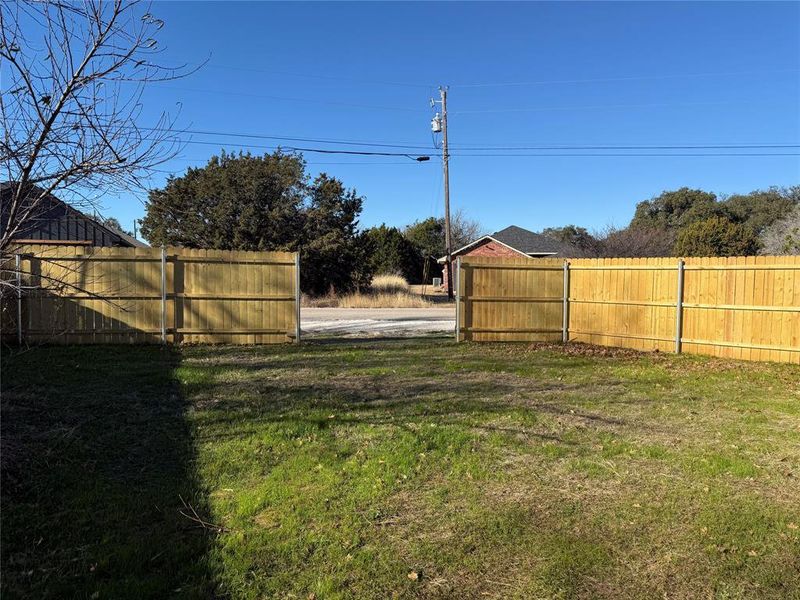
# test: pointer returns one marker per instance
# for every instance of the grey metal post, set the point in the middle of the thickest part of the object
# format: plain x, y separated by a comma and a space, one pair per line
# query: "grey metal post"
297, 297
565, 306
458, 298
679, 309
18, 266
163, 295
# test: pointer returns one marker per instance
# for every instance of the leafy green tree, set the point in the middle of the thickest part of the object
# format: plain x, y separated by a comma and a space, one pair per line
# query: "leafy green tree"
427, 236
235, 202
675, 209
393, 253
245, 202
761, 208
716, 236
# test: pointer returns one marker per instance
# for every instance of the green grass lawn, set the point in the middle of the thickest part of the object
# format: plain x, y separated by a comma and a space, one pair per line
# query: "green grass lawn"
398, 469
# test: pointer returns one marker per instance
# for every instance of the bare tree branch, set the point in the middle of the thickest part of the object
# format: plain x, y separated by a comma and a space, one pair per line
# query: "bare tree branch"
72, 85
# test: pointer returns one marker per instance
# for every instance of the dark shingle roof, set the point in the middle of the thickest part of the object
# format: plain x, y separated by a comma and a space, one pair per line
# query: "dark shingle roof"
53, 220
528, 242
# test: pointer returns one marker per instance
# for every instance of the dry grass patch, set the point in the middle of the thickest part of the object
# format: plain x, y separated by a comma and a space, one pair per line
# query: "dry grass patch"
384, 300
385, 291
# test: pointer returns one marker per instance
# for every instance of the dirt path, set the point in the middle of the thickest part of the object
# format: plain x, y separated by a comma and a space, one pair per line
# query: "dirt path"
376, 321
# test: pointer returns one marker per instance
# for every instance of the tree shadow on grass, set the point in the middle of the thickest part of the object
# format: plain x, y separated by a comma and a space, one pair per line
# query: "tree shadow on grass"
98, 462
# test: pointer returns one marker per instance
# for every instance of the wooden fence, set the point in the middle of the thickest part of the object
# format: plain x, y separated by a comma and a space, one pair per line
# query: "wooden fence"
741, 307
77, 295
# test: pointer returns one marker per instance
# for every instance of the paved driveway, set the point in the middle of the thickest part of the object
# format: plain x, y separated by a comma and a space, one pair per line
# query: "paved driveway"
377, 321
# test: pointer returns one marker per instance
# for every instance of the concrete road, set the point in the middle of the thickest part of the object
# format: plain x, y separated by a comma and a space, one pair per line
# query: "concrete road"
376, 322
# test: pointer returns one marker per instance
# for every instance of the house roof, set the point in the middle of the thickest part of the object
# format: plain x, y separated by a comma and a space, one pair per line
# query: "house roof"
55, 220
134, 242
526, 241
520, 240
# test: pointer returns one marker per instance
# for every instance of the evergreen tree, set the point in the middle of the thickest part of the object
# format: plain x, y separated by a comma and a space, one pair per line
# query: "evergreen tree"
333, 255
245, 202
427, 236
393, 253
716, 236
761, 208
674, 210
235, 202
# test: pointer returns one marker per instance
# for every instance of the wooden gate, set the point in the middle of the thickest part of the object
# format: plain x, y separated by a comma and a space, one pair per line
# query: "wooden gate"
77, 295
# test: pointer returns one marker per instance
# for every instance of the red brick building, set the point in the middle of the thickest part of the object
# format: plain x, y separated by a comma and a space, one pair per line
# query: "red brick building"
511, 241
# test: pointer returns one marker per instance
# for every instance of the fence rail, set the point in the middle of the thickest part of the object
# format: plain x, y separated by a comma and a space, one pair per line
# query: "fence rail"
77, 295
739, 307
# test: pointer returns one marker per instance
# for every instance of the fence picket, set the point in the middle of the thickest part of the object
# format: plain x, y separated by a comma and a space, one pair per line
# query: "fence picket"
114, 295
740, 307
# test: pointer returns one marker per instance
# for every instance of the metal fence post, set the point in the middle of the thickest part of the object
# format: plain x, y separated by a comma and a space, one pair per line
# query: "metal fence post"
163, 295
565, 306
458, 298
297, 297
18, 266
679, 309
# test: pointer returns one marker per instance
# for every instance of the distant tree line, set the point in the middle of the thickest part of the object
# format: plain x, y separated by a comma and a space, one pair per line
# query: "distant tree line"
246, 202
689, 222
269, 202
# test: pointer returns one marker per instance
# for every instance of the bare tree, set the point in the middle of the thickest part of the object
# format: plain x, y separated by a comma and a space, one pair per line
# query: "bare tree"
631, 242
464, 229
73, 78
783, 236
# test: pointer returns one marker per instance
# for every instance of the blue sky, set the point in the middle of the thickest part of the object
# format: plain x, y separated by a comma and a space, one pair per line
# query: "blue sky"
577, 74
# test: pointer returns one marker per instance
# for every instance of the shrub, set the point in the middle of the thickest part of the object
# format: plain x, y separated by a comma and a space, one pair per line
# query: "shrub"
389, 284
716, 236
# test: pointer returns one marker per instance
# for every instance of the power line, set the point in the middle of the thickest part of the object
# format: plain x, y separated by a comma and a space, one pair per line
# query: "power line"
304, 149
384, 144
309, 164
205, 159
631, 154
589, 107
290, 138
477, 151
633, 147
339, 79
466, 154
619, 79
349, 105
292, 99
321, 77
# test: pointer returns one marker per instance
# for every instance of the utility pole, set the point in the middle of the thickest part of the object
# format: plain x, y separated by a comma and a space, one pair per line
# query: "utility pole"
445, 160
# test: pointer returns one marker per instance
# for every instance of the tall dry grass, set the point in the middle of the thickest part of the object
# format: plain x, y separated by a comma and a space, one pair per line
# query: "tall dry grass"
385, 291
383, 300
389, 284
